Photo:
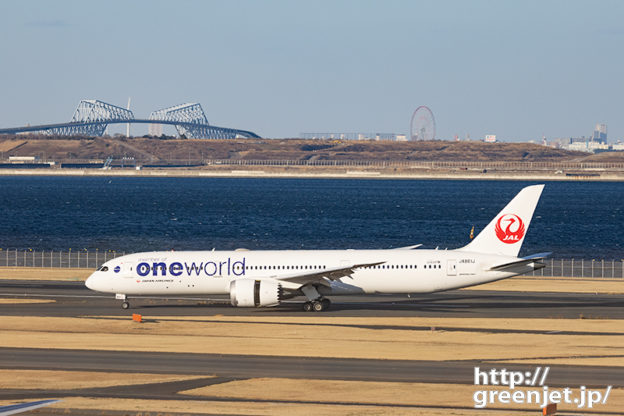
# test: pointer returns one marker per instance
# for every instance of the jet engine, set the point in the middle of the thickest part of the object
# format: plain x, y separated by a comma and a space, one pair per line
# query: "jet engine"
255, 293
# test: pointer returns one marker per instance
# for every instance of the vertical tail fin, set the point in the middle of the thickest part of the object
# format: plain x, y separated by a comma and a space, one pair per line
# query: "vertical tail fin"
505, 233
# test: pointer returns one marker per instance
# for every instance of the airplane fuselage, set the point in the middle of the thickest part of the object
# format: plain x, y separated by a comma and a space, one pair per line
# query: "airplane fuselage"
211, 272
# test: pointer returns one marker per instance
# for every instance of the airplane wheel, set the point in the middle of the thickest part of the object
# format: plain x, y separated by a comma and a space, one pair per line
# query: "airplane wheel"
125, 305
317, 306
307, 307
326, 304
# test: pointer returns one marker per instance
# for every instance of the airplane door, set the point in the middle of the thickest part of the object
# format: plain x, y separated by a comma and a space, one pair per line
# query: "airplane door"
451, 267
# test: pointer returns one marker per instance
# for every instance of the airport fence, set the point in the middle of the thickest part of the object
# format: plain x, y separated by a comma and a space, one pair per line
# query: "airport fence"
88, 259
92, 259
599, 268
416, 164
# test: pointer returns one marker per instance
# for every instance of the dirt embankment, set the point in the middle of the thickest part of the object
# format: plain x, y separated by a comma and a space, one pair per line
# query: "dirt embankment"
157, 150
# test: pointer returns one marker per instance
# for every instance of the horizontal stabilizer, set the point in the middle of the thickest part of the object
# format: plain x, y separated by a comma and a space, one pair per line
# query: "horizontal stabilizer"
534, 258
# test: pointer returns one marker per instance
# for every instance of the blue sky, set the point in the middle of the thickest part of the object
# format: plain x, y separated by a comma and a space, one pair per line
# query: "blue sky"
518, 69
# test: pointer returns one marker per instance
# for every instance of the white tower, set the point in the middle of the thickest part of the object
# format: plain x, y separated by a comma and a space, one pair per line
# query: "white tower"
128, 124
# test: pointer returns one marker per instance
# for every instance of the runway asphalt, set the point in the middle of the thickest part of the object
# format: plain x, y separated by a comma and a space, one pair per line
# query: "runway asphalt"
248, 366
74, 299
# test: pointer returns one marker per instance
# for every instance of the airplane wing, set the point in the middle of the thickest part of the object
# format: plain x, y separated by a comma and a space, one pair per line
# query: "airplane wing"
535, 258
24, 407
323, 277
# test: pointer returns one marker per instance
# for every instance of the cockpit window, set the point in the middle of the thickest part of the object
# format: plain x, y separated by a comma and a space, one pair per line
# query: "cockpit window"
103, 269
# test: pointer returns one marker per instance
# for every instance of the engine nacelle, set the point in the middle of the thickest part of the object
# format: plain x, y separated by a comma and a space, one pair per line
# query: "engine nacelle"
255, 292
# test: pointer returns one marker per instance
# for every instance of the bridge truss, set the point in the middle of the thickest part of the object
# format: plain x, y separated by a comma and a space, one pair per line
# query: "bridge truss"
93, 116
192, 122
91, 119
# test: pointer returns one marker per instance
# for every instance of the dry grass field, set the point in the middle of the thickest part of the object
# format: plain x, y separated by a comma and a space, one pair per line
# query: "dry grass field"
600, 342
496, 341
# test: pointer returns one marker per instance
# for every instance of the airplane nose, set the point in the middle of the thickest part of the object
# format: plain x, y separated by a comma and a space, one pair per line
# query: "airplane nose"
90, 282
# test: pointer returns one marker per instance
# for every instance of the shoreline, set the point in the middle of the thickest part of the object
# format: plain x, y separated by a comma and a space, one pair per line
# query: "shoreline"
324, 173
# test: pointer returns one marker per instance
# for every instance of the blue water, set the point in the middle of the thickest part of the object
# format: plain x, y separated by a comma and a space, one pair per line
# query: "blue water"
573, 219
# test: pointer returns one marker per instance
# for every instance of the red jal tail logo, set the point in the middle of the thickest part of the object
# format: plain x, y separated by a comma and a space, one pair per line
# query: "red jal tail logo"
509, 228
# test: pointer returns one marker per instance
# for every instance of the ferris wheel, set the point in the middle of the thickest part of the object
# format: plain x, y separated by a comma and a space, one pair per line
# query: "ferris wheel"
422, 126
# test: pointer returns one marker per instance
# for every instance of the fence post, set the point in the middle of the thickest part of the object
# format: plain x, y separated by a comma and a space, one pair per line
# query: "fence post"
572, 269
602, 268
582, 267
592, 268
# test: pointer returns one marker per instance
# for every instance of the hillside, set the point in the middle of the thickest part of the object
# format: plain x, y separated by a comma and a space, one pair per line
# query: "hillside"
163, 151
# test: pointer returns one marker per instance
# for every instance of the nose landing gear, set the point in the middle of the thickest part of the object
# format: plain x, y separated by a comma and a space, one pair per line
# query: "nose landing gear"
125, 304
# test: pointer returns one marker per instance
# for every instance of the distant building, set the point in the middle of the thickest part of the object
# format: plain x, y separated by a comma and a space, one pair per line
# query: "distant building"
490, 138
586, 145
618, 147
596, 143
355, 136
600, 133
23, 159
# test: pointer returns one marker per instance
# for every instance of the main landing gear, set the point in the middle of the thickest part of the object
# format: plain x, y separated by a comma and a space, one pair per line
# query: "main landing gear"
316, 302
317, 305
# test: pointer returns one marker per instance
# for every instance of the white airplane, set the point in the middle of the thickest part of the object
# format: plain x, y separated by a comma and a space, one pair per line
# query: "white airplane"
266, 278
